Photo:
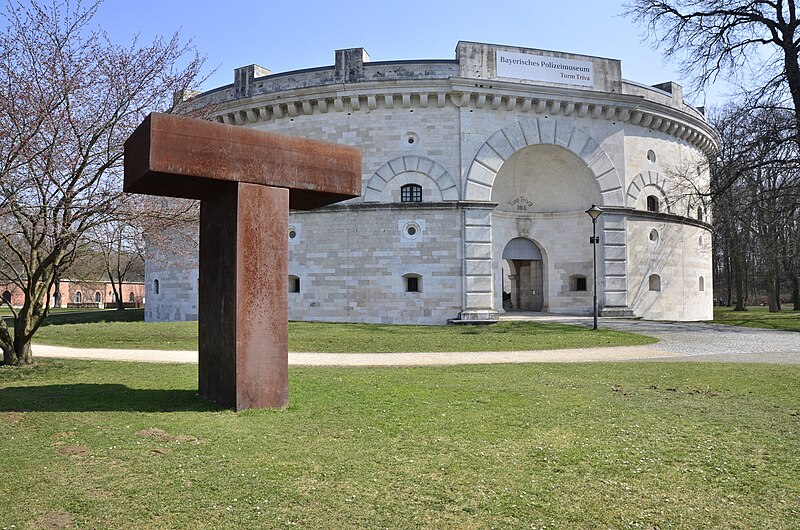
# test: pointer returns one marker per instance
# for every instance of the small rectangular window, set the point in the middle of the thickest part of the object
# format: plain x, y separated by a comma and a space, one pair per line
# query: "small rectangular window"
580, 284
412, 284
411, 193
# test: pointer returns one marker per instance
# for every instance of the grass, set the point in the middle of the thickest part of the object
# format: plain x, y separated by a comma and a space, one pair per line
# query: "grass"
124, 329
579, 446
758, 317
55, 311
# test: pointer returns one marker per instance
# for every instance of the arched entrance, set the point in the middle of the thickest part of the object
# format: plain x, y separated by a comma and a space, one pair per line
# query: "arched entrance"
523, 276
539, 229
541, 175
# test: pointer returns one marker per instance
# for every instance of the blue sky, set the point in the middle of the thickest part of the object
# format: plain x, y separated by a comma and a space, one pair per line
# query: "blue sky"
284, 35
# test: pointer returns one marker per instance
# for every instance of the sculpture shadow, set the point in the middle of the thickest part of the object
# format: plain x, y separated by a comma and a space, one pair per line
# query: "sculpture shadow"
97, 397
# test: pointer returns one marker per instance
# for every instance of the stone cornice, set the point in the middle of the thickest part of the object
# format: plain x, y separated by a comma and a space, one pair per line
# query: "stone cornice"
408, 206
656, 216
473, 94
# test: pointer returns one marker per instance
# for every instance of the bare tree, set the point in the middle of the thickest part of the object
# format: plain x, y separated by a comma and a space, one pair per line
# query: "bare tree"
120, 241
754, 43
68, 99
755, 180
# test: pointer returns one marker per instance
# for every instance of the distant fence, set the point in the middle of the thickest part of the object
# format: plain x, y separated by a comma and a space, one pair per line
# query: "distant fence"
99, 305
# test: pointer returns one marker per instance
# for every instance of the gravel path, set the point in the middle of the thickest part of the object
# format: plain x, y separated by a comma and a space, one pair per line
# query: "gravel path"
677, 342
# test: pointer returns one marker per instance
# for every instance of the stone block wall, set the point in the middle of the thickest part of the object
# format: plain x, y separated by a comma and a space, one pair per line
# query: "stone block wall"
351, 264
679, 255
176, 299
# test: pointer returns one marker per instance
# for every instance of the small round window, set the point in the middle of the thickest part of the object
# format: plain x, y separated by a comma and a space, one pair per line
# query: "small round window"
411, 138
654, 235
651, 156
292, 232
411, 230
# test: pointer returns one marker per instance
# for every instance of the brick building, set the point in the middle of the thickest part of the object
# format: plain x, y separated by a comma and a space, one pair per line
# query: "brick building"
81, 293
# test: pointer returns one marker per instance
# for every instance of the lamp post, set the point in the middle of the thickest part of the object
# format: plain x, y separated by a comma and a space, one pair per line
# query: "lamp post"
594, 212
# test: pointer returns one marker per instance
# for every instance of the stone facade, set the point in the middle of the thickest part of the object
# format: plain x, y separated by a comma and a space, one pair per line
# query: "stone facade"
80, 293
508, 146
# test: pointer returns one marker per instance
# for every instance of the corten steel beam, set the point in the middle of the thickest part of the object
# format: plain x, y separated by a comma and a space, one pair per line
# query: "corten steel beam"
246, 181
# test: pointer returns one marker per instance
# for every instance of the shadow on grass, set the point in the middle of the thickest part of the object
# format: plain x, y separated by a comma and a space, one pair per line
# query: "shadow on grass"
88, 317
93, 397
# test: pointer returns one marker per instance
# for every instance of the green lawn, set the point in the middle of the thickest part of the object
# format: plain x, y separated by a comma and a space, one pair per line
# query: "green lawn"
758, 317
578, 446
113, 329
6, 312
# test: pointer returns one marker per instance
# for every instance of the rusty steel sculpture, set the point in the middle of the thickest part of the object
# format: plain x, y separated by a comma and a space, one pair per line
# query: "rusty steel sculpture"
246, 181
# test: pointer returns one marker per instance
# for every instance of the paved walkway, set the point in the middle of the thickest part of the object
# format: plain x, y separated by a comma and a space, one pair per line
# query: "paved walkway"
677, 342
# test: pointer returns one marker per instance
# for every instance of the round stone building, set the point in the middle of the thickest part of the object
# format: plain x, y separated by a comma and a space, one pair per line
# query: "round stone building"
477, 173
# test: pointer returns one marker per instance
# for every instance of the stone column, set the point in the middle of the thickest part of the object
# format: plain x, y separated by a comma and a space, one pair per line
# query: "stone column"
613, 255
478, 296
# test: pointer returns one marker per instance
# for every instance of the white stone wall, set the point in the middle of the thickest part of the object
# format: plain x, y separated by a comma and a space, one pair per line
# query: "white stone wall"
564, 241
679, 258
178, 289
382, 134
351, 263
451, 126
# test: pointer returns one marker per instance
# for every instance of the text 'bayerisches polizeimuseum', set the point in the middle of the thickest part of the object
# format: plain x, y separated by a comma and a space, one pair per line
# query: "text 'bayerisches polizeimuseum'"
477, 173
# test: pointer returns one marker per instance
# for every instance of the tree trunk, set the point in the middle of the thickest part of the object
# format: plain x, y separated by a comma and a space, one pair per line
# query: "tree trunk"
728, 282
795, 292
7, 344
24, 353
22, 340
769, 280
738, 280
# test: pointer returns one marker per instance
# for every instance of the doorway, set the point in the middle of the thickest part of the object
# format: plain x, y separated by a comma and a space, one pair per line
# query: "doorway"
523, 276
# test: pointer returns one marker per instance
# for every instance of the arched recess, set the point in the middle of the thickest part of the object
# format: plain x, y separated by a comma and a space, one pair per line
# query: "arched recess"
654, 184
536, 131
522, 281
411, 170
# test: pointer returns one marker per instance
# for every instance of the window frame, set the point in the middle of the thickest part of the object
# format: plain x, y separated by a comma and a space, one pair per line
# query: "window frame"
411, 193
412, 283
652, 204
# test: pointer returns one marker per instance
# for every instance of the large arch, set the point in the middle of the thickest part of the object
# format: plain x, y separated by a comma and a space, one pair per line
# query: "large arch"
652, 181
536, 131
411, 170
544, 178
488, 227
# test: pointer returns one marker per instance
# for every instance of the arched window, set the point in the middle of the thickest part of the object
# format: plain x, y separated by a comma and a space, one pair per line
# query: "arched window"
413, 283
655, 282
7, 297
702, 283
155, 286
577, 282
131, 298
78, 297
97, 297
699, 213
411, 193
652, 203
294, 284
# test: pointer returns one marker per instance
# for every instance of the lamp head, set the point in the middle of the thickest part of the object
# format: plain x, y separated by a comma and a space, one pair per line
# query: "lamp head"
594, 212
